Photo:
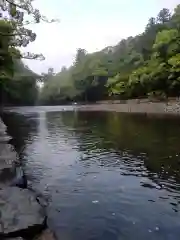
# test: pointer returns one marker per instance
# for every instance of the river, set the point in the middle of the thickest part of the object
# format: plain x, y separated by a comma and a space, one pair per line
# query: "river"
106, 175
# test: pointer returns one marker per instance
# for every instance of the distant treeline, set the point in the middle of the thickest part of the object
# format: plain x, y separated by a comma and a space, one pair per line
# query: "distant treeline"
147, 65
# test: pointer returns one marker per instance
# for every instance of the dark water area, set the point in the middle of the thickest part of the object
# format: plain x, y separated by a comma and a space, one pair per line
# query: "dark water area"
106, 175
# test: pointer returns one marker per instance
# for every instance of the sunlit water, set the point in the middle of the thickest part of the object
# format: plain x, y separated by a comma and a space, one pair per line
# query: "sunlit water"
106, 175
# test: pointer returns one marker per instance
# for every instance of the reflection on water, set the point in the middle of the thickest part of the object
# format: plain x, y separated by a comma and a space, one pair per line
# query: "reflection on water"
106, 175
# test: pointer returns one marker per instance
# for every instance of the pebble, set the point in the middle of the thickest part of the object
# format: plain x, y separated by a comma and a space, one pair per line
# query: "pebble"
150, 231
113, 214
95, 201
157, 228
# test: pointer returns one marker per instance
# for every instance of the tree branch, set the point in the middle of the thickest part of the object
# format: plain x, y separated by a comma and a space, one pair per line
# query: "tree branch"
36, 57
17, 5
13, 34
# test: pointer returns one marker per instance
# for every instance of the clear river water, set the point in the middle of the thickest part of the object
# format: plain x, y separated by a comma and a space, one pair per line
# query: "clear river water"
106, 175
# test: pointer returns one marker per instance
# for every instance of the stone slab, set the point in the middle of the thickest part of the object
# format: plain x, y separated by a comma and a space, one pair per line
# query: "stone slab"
19, 211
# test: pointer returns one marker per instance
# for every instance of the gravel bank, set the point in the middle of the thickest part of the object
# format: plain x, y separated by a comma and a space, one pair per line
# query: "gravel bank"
133, 106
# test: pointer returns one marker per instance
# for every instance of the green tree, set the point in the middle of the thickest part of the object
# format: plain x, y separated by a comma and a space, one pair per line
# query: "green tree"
15, 13
175, 21
164, 16
142, 66
15, 16
167, 43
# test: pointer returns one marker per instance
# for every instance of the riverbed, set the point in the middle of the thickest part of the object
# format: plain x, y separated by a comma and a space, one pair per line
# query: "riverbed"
106, 175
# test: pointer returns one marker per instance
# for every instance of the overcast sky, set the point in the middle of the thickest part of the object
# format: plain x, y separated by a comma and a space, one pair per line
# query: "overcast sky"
89, 24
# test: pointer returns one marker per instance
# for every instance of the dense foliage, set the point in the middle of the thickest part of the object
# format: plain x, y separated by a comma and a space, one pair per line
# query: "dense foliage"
146, 65
22, 88
17, 82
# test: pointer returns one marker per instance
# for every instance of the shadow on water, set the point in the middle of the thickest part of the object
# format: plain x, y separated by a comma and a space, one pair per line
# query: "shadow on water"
107, 175
153, 140
21, 127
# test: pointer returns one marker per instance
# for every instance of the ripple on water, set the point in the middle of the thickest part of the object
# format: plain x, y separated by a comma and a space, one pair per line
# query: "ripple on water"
105, 174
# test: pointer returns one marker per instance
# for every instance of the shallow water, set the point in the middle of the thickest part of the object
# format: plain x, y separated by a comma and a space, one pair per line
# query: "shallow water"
106, 175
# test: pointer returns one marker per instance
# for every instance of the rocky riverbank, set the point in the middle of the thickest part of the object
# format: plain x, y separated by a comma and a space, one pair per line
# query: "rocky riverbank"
135, 106
22, 210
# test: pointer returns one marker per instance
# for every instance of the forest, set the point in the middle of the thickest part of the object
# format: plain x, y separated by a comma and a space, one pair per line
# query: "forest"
18, 83
143, 66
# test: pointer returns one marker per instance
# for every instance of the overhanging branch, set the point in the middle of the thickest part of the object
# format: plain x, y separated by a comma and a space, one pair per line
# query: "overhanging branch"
19, 6
13, 34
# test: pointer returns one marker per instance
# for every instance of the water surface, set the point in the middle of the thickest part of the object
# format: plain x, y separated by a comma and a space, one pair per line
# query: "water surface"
106, 175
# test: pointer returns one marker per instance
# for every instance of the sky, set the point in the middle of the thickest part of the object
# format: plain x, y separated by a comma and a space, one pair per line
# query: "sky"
88, 24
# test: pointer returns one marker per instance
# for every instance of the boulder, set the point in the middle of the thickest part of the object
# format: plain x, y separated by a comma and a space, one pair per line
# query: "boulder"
3, 127
7, 163
3, 134
20, 213
7, 155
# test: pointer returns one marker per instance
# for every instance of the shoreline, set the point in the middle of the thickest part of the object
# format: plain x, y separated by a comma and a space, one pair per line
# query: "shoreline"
18, 199
135, 106
132, 106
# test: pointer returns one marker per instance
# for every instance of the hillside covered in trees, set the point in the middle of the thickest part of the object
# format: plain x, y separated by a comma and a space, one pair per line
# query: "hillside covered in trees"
141, 66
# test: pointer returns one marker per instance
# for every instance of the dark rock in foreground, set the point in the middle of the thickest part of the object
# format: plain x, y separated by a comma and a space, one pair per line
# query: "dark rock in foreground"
20, 213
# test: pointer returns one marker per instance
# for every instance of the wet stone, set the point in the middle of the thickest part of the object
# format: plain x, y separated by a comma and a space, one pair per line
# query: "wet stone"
6, 177
3, 133
4, 138
19, 211
7, 156
7, 163
3, 127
